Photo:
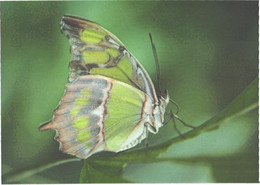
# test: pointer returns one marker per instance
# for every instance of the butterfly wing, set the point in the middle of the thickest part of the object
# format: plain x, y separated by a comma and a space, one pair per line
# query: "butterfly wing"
98, 113
96, 51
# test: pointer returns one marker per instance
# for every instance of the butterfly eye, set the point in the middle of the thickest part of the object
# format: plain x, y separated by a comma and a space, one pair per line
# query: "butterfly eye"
155, 105
164, 95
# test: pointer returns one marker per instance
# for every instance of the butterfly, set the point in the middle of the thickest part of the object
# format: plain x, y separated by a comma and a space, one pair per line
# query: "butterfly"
110, 103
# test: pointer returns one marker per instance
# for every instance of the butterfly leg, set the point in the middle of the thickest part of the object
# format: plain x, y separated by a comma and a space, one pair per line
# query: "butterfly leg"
168, 118
175, 126
172, 117
184, 123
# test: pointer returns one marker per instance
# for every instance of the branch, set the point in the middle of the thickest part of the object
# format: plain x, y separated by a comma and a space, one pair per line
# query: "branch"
15, 177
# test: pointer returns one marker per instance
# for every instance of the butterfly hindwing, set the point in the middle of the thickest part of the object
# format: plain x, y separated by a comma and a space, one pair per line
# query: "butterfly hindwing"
99, 113
127, 110
96, 51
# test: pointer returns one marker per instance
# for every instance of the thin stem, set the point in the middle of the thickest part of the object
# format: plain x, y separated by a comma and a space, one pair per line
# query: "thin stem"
14, 177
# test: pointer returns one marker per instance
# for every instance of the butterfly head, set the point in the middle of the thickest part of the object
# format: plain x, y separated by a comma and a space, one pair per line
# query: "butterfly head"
159, 110
164, 99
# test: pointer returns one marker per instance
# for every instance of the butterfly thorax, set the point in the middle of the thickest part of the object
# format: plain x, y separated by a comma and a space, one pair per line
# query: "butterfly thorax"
158, 113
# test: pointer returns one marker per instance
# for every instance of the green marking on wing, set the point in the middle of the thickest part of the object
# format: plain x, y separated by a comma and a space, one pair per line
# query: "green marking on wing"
119, 130
122, 71
81, 122
83, 136
113, 72
127, 93
99, 57
86, 92
93, 33
91, 36
81, 101
115, 142
126, 66
124, 108
89, 145
75, 111
113, 52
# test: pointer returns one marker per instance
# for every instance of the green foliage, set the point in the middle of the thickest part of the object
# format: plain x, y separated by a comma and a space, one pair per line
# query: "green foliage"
208, 53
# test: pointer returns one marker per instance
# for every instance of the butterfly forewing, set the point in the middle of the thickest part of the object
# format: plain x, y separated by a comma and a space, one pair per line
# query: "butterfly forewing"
99, 113
96, 51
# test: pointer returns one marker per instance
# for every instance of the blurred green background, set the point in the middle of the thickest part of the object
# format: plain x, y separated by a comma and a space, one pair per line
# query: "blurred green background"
208, 53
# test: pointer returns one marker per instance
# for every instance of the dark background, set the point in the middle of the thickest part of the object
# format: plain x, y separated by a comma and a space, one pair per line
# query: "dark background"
208, 53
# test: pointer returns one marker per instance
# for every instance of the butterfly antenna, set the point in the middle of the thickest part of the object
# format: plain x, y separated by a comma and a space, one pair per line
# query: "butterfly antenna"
157, 65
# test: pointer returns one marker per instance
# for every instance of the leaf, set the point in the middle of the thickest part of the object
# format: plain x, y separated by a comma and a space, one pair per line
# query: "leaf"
109, 167
91, 172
